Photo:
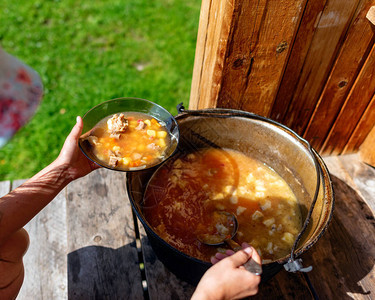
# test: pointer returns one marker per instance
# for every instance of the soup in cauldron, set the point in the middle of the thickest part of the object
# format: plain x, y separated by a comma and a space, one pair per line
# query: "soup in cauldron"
184, 193
128, 140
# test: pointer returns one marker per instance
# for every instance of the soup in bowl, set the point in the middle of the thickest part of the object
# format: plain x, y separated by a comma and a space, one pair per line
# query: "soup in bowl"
129, 134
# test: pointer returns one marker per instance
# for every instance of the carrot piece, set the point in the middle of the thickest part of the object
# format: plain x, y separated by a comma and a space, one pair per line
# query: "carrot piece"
156, 123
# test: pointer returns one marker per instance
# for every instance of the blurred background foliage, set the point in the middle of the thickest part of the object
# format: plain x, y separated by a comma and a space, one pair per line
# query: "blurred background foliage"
90, 51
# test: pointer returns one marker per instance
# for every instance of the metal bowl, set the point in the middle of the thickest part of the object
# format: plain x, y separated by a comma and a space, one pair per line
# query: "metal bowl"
110, 107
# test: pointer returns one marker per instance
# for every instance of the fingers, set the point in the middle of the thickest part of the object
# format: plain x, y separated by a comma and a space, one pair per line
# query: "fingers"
219, 256
77, 129
240, 257
255, 255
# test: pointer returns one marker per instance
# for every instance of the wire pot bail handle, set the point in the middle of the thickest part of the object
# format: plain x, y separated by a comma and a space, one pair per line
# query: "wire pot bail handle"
295, 265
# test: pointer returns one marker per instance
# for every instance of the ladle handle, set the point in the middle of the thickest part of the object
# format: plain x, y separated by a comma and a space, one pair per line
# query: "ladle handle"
251, 265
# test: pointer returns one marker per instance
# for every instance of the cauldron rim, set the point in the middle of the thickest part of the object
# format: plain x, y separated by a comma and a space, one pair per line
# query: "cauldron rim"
326, 184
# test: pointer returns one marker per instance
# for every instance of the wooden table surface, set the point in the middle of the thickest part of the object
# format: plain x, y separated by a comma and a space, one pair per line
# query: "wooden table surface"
87, 244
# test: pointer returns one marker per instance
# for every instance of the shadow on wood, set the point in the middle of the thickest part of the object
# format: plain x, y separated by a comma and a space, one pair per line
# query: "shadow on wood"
96, 272
343, 259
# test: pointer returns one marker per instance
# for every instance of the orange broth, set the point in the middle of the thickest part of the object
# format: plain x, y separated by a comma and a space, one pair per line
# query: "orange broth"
184, 192
134, 148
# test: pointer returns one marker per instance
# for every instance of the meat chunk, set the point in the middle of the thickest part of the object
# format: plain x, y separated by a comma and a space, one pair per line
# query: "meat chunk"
140, 125
117, 124
153, 146
114, 158
113, 161
90, 142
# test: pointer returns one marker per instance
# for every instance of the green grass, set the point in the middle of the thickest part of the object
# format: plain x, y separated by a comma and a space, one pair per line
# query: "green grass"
90, 51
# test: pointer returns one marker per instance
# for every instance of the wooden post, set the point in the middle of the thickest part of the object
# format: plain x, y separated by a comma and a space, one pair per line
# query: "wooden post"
242, 49
306, 64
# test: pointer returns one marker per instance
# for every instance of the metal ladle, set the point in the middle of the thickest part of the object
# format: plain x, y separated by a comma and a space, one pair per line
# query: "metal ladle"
227, 226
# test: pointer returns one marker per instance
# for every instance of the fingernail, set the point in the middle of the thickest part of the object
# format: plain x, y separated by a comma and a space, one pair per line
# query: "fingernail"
248, 250
77, 119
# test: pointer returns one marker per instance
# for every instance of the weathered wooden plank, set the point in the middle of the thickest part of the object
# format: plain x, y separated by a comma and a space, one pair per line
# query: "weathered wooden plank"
356, 174
45, 261
299, 51
343, 258
331, 29
4, 187
355, 105
366, 150
243, 53
214, 26
161, 283
284, 285
362, 130
349, 62
363, 177
257, 51
200, 51
102, 255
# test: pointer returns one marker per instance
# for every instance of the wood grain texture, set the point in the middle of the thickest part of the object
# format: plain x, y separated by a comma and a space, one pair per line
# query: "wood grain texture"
102, 255
366, 150
343, 258
257, 53
284, 285
296, 62
331, 29
244, 54
161, 283
362, 132
352, 55
213, 31
363, 178
45, 260
299, 52
355, 105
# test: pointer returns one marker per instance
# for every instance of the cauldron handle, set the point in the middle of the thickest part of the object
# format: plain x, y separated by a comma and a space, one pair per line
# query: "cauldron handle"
293, 264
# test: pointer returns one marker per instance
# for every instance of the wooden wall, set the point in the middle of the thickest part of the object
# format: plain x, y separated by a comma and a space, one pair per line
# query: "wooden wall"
309, 64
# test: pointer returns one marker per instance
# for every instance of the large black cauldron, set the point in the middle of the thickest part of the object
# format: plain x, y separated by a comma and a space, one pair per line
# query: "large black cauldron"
265, 140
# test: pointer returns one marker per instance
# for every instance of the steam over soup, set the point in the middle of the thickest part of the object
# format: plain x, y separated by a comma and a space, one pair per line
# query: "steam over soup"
184, 192
128, 140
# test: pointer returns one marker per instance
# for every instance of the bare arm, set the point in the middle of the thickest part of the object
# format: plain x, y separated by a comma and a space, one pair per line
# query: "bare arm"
21, 205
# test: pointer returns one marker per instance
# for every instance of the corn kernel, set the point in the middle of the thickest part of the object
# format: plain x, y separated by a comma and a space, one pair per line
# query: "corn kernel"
161, 134
147, 122
288, 238
161, 143
126, 160
156, 123
151, 133
218, 196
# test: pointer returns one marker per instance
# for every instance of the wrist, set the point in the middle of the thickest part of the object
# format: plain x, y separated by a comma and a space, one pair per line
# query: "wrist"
205, 291
56, 173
